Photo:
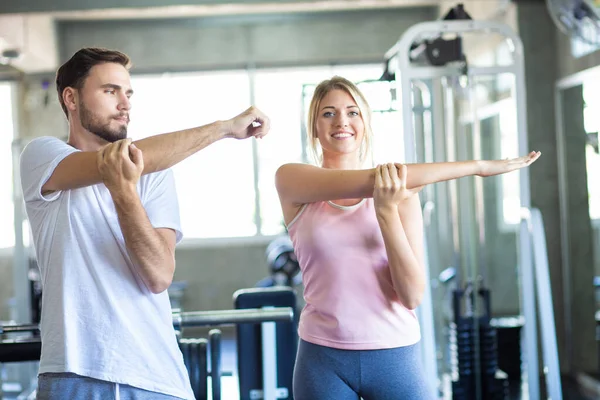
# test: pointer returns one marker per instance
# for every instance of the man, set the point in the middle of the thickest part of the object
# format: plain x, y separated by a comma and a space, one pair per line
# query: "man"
105, 222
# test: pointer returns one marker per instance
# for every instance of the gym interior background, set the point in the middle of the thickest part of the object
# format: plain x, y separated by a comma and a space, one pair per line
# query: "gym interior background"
194, 64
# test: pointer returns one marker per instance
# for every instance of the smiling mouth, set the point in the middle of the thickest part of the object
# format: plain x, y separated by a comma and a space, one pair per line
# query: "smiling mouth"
342, 135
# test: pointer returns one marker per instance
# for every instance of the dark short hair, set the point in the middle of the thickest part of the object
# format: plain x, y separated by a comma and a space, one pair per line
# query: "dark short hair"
74, 72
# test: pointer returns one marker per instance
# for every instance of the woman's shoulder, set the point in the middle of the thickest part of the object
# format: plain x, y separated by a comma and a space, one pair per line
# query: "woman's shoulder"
291, 172
296, 166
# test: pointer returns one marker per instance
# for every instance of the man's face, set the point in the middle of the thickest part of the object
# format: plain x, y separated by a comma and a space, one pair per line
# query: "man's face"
104, 101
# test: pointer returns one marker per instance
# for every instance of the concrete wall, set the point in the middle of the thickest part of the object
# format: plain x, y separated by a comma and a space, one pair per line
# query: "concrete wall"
580, 272
572, 289
213, 273
27, 6
234, 42
490, 10
6, 284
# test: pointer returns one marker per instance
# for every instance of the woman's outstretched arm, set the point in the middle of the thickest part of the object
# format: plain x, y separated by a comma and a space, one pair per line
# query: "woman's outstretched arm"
299, 184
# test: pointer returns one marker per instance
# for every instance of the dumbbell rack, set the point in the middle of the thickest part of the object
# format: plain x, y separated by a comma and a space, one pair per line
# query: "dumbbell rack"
194, 351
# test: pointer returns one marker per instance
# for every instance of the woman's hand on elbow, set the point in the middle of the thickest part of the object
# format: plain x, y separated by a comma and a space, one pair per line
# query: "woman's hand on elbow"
390, 186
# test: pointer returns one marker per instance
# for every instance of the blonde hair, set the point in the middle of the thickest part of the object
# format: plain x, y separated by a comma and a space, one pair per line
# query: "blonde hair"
326, 86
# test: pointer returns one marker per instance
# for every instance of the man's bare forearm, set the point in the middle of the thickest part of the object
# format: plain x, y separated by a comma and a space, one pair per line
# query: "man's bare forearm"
150, 253
165, 150
160, 152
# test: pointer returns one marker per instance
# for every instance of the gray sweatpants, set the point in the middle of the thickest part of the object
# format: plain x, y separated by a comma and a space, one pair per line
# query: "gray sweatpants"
326, 373
67, 386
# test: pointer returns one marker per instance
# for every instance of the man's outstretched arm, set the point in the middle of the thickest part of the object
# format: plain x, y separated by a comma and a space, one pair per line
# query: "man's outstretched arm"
161, 151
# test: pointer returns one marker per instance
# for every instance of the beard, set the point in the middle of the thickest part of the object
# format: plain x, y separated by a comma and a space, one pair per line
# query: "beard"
93, 123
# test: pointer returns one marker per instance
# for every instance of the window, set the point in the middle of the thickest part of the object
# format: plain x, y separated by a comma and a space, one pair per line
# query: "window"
7, 231
591, 121
509, 148
583, 33
279, 95
579, 48
386, 123
217, 187
500, 120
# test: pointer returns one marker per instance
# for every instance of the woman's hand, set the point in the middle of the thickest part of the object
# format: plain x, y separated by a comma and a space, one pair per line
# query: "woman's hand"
497, 167
390, 186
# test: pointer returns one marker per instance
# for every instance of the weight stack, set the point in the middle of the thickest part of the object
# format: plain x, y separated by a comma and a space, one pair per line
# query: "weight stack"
493, 383
508, 332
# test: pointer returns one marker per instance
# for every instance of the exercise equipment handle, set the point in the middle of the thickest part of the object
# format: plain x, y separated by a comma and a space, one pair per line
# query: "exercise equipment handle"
202, 318
228, 317
18, 328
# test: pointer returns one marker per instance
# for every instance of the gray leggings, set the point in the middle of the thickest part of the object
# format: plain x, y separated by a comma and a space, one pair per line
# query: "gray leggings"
62, 386
327, 373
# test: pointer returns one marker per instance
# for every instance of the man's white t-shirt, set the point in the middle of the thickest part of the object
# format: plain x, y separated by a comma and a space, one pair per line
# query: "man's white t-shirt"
98, 317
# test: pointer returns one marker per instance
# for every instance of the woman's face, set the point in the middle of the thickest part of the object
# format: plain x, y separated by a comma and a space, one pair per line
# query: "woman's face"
339, 124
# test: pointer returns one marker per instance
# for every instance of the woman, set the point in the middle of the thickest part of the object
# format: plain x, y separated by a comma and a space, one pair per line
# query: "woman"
358, 236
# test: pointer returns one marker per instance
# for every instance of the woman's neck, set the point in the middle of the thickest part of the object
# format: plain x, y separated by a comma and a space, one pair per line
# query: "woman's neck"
341, 162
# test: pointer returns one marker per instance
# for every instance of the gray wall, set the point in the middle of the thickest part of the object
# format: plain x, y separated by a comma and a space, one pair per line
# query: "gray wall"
581, 257
234, 42
541, 72
214, 273
6, 285
16, 6
8, 73
574, 313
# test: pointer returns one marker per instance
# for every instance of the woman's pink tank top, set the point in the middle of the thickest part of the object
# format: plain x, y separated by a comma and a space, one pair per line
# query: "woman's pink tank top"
350, 299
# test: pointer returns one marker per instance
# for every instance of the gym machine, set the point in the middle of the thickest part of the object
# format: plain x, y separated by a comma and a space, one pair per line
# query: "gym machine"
270, 344
459, 102
284, 268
